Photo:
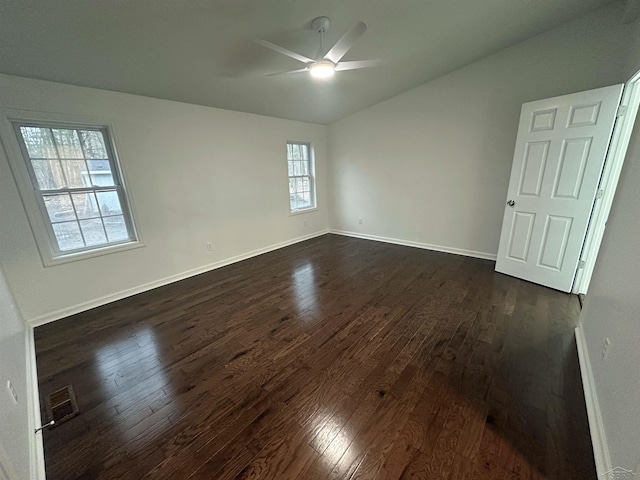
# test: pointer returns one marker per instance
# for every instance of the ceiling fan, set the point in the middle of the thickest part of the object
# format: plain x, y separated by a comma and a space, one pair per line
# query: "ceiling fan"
326, 65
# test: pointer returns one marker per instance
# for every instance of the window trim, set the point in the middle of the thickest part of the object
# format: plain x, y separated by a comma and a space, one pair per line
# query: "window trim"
312, 177
42, 230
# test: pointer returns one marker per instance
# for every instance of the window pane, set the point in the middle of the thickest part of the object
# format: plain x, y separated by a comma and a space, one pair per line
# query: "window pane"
93, 143
292, 185
59, 207
304, 168
93, 232
38, 142
305, 202
306, 186
289, 151
86, 205
296, 152
292, 202
68, 143
68, 235
48, 174
99, 166
76, 173
116, 228
109, 203
100, 171
299, 184
304, 151
102, 179
290, 167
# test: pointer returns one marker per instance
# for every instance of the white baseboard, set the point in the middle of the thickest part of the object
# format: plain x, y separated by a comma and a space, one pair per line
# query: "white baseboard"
596, 426
36, 447
65, 312
410, 243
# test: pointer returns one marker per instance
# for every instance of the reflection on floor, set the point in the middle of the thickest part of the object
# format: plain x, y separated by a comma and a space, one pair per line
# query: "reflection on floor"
334, 358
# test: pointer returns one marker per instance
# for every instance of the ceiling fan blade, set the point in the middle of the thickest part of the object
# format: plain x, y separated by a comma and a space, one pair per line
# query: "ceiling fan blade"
346, 42
284, 51
287, 72
357, 64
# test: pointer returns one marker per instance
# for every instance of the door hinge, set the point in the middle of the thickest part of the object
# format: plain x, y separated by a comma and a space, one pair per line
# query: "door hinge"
581, 264
600, 194
622, 110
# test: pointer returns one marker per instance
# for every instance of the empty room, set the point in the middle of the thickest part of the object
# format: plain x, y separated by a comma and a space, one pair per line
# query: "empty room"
319, 239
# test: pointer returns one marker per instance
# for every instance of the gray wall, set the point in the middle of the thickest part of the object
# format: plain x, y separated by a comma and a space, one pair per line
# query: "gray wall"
14, 418
612, 310
633, 60
432, 165
194, 174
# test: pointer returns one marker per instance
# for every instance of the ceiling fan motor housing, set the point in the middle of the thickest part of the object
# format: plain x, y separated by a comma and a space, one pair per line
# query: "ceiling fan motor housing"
320, 24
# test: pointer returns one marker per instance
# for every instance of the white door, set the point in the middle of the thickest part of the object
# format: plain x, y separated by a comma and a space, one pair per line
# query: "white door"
560, 151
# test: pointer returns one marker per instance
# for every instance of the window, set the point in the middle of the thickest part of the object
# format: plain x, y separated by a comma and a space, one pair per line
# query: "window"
301, 180
77, 186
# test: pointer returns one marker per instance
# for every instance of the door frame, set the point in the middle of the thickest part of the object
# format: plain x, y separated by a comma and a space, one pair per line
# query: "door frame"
616, 153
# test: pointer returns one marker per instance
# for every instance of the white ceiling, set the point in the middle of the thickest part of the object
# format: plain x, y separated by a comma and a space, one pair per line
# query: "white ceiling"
203, 51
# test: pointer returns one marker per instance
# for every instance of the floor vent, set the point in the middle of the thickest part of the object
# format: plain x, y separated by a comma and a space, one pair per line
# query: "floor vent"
62, 405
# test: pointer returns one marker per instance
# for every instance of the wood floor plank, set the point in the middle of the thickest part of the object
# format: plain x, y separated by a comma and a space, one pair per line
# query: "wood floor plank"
335, 358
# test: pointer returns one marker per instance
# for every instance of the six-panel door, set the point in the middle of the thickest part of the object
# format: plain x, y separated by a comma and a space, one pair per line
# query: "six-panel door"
560, 152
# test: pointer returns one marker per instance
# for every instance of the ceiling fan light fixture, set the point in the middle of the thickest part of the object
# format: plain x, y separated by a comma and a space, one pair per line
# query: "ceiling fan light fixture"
325, 66
322, 69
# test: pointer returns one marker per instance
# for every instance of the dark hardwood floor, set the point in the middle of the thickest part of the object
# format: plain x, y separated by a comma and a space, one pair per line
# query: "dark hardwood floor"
336, 358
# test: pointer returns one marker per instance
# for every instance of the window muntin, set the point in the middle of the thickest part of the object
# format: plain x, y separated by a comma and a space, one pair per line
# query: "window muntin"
77, 186
301, 179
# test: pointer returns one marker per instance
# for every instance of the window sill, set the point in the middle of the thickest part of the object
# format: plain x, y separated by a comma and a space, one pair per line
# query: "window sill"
74, 257
304, 210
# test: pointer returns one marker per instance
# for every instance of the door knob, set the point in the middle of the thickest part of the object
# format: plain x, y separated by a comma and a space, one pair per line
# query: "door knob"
511, 203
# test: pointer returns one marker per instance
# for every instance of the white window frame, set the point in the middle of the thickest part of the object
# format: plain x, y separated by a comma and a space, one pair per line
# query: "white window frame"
10, 120
312, 178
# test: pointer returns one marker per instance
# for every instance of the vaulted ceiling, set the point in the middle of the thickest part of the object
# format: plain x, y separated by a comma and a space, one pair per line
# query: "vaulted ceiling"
204, 51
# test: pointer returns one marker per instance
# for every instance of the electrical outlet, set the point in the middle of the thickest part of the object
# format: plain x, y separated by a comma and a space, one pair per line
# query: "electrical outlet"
209, 246
605, 348
360, 221
12, 391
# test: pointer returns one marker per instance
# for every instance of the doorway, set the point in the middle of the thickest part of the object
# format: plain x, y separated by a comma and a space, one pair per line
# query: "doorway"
611, 174
567, 162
